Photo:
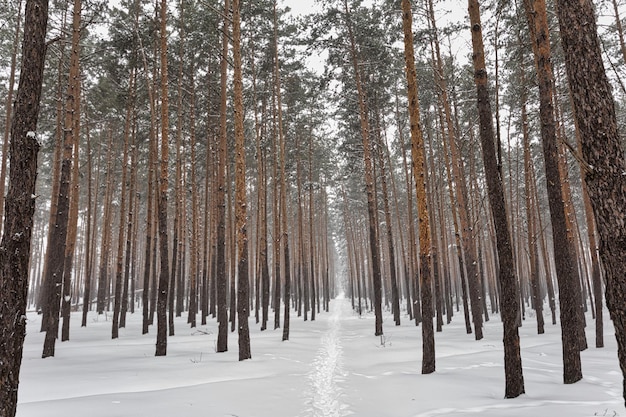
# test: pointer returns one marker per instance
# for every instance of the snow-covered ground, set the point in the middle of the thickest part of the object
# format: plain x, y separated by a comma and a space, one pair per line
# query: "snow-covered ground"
331, 367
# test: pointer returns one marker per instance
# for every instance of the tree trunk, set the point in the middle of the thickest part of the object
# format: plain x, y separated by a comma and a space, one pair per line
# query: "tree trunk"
414, 309
604, 158
395, 297
369, 182
284, 231
20, 205
193, 270
131, 229
72, 230
9, 108
243, 281
564, 258
150, 241
276, 209
419, 173
302, 279
313, 274
161, 344
88, 233
461, 201
509, 301
222, 155
58, 240
263, 261
119, 272
537, 300
56, 172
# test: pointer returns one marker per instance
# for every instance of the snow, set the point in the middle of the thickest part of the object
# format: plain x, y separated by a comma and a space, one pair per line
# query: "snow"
331, 367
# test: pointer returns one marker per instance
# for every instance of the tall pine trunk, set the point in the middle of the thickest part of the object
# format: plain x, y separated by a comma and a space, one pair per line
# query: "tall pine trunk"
369, 181
243, 281
9, 107
58, 240
119, 271
514, 385
20, 205
602, 152
419, 174
221, 277
161, 343
564, 258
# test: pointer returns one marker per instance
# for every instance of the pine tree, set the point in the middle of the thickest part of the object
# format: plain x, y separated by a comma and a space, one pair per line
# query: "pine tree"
161, 344
243, 302
565, 261
419, 174
20, 204
602, 152
514, 385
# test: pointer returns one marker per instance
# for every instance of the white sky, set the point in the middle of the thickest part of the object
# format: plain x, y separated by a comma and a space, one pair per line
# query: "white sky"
300, 6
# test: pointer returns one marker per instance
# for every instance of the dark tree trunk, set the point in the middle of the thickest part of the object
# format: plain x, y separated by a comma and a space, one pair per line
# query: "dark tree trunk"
88, 243
509, 299
369, 182
221, 277
395, 296
131, 238
9, 106
537, 300
58, 240
103, 267
193, 270
119, 273
20, 205
243, 281
145, 295
161, 343
564, 258
602, 152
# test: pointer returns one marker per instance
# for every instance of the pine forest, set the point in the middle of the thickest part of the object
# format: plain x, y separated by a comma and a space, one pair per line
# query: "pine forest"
384, 189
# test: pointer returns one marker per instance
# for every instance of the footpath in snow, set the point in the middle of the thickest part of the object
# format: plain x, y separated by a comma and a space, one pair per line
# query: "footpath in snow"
327, 372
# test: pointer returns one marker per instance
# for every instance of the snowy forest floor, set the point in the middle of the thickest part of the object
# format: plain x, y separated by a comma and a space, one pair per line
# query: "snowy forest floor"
331, 367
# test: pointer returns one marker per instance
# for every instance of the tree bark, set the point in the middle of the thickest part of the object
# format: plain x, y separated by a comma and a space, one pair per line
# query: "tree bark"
243, 283
88, 233
56, 172
58, 240
537, 300
419, 174
222, 155
119, 272
395, 297
604, 158
514, 385
20, 205
131, 229
9, 108
194, 245
68, 265
564, 259
282, 202
369, 181
161, 344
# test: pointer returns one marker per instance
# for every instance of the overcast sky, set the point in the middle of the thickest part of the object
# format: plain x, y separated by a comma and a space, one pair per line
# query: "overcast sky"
299, 6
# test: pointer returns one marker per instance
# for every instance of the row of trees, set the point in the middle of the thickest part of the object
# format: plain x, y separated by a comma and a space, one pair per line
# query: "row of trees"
193, 168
